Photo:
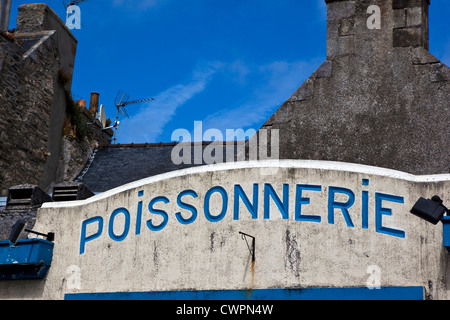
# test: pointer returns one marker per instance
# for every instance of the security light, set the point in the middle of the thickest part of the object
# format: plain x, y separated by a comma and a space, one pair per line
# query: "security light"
431, 210
19, 227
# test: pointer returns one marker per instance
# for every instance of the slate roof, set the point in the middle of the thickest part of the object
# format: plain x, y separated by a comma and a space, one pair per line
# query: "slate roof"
115, 165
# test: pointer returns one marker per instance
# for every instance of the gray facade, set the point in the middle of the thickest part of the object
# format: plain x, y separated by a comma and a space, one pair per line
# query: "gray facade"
36, 65
379, 99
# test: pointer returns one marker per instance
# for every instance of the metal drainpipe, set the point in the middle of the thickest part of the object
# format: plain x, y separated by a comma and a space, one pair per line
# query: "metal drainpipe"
5, 8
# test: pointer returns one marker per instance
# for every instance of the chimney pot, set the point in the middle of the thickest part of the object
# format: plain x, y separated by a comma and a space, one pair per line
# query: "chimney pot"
81, 103
93, 106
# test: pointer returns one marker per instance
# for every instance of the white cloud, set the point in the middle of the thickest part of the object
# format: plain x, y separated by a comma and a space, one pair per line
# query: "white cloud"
149, 122
322, 9
446, 56
141, 4
275, 84
280, 80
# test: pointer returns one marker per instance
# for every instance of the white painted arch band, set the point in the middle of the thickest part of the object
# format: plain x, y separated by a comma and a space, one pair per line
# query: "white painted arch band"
283, 164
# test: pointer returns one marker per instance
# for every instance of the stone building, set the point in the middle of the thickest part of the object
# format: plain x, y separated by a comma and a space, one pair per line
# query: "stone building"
380, 98
39, 142
36, 65
361, 141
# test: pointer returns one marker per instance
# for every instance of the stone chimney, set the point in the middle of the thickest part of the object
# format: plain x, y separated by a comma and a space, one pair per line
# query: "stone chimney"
37, 20
367, 28
380, 98
411, 23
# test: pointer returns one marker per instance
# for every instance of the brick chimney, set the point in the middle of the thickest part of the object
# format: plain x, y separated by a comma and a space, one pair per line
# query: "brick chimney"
373, 27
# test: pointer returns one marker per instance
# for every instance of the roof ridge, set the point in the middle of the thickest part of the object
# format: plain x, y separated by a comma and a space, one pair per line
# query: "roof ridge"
80, 176
157, 144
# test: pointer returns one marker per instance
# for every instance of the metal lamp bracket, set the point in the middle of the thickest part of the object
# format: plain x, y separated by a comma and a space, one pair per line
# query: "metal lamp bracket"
252, 249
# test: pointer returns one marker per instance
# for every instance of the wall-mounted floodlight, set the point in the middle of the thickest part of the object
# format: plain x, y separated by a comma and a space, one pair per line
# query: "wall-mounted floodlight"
19, 227
431, 210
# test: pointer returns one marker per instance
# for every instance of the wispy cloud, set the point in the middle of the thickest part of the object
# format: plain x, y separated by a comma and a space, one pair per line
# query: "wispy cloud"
322, 9
446, 56
141, 4
149, 122
279, 80
275, 83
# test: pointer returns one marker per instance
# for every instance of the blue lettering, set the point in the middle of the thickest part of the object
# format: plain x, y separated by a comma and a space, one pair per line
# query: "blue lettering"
240, 194
365, 206
299, 201
380, 211
83, 238
282, 206
365, 209
190, 213
126, 228
208, 195
162, 213
139, 214
187, 206
343, 206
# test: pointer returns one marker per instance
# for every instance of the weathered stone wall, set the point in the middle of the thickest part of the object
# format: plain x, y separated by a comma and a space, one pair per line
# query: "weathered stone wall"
26, 99
36, 67
379, 99
73, 157
75, 154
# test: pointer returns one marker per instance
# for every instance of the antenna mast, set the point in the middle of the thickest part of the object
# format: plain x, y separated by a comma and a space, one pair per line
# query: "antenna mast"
5, 12
72, 3
121, 101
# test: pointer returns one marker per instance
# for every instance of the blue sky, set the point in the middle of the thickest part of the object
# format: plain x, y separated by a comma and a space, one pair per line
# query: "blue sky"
229, 64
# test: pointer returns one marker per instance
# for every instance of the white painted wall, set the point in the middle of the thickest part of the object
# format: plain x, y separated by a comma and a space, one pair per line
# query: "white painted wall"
207, 255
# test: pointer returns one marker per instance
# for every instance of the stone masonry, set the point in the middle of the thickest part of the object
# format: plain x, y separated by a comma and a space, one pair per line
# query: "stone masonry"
379, 99
26, 94
36, 66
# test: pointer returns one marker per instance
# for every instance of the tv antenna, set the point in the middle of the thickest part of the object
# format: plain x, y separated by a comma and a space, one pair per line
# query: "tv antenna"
72, 3
121, 101
72, 13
